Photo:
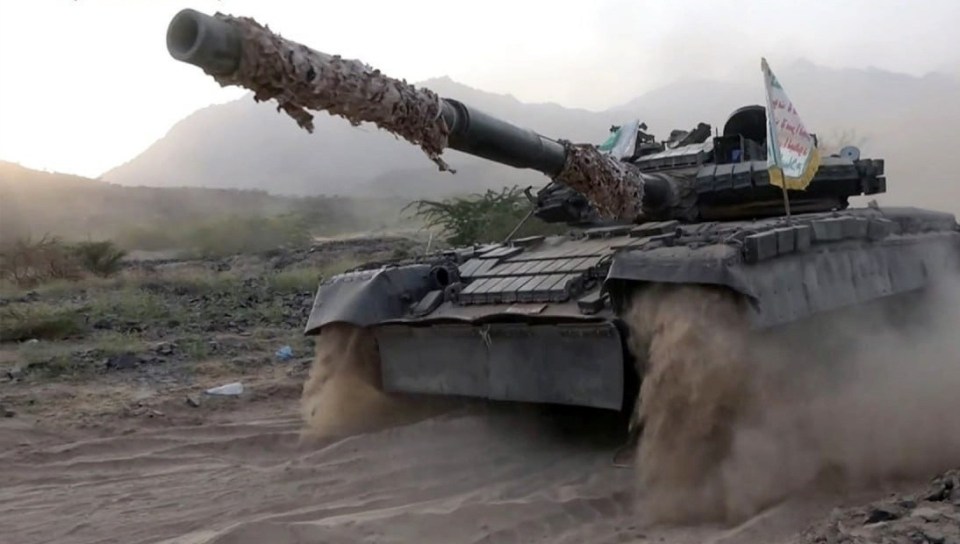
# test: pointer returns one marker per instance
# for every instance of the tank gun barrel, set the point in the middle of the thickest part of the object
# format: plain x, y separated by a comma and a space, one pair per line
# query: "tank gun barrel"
239, 51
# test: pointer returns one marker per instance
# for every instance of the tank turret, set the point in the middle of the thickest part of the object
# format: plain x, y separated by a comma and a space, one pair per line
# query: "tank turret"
691, 176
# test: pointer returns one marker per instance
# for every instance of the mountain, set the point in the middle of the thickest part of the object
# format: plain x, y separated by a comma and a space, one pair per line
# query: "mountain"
242, 144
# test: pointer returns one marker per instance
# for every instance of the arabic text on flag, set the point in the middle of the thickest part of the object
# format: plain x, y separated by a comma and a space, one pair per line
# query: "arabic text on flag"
792, 155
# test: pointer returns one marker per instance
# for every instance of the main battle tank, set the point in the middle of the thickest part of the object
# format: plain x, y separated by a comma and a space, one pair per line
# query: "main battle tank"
539, 319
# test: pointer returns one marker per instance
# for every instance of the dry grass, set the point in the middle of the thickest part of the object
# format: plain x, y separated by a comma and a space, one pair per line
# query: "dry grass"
242, 315
19, 322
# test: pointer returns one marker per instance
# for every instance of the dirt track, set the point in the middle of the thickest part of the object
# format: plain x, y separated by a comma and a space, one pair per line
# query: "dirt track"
119, 456
245, 476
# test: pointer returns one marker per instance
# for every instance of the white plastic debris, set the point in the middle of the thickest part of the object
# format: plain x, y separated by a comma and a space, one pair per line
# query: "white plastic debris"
230, 389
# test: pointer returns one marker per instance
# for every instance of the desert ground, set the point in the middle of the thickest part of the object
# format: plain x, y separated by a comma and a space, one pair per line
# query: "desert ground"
108, 436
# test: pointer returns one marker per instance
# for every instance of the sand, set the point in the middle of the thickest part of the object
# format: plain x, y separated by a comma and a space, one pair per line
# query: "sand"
245, 471
475, 475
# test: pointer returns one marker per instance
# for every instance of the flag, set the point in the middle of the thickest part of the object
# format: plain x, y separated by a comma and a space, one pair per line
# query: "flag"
792, 155
623, 142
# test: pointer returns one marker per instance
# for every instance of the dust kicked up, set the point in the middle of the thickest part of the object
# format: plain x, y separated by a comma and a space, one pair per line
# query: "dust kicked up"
736, 421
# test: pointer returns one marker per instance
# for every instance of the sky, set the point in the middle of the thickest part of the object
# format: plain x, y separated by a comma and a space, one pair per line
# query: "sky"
86, 85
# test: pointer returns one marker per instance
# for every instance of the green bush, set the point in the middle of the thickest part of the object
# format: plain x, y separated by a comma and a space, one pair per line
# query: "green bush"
101, 258
480, 218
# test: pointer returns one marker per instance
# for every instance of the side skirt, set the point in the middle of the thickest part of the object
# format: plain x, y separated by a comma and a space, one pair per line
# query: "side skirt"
579, 364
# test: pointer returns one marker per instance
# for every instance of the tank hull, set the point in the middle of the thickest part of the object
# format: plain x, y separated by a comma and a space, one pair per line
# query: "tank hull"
538, 320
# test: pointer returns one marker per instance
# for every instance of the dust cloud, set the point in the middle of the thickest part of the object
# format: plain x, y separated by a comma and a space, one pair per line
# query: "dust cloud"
735, 422
342, 394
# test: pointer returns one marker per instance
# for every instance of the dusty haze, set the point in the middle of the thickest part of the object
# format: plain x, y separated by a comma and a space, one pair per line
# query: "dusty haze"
734, 424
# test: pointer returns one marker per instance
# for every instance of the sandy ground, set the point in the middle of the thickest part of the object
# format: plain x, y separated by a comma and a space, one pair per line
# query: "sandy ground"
128, 460
237, 471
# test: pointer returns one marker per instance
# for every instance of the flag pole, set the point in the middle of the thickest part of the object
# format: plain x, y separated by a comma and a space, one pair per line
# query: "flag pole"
774, 145
786, 198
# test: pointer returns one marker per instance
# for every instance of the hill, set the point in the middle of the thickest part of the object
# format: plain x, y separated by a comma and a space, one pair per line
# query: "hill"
36, 203
249, 145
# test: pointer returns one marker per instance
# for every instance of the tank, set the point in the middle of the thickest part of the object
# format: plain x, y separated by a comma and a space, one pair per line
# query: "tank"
541, 319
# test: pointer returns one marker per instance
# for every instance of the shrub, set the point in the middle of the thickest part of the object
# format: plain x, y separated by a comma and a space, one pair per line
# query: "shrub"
479, 218
28, 263
101, 258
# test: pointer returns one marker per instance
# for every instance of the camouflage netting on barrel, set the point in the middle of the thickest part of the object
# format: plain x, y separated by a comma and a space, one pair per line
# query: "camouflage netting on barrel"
300, 78
613, 188
238, 51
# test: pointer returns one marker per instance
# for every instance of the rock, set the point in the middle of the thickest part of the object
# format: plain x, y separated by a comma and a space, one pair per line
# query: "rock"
230, 389
927, 513
881, 513
193, 401
128, 326
7, 412
147, 359
143, 394
285, 353
944, 486
103, 324
124, 361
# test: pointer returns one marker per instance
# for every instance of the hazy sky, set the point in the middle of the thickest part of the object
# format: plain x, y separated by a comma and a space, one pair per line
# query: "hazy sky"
88, 84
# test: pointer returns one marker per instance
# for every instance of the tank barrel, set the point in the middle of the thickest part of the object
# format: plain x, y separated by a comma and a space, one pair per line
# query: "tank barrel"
204, 41
215, 46
477, 133
239, 51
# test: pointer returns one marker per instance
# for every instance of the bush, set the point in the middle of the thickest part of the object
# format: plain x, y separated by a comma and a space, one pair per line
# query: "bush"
28, 263
480, 218
101, 258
